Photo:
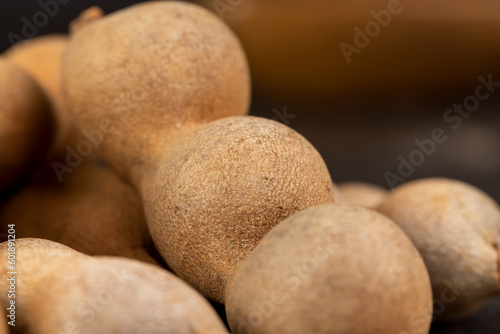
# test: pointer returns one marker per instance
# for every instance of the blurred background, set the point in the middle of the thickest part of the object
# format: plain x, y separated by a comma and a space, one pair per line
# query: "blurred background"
362, 80
387, 91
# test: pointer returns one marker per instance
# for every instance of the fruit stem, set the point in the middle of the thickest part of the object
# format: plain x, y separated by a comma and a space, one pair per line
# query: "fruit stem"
87, 16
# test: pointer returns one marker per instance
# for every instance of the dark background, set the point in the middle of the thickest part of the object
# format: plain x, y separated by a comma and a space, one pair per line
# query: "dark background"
359, 136
12, 13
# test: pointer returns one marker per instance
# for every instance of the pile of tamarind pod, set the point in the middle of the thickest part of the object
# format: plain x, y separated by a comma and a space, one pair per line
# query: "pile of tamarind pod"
74, 198
140, 189
336, 50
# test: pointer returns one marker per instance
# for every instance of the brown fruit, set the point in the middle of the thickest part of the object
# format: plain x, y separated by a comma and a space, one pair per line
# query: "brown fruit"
364, 194
60, 290
152, 70
89, 208
41, 58
3, 324
210, 191
26, 125
222, 187
334, 268
456, 228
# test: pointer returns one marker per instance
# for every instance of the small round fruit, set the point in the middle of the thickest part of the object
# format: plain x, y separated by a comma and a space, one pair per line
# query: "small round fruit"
332, 269
456, 228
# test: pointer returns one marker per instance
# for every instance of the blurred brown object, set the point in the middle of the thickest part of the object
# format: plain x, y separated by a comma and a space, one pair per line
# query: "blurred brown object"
362, 193
26, 125
324, 50
80, 202
41, 58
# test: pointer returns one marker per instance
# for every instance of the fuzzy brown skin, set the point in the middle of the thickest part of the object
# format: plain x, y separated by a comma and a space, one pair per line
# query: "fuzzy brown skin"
210, 192
364, 194
60, 290
456, 228
26, 125
152, 70
41, 58
222, 187
332, 269
92, 211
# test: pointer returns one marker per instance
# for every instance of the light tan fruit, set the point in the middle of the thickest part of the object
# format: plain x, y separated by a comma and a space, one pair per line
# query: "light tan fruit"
152, 70
332, 269
59, 290
74, 199
456, 228
211, 187
222, 187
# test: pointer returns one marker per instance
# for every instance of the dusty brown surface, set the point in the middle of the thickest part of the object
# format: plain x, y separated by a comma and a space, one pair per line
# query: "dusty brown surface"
150, 71
101, 294
212, 193
362, 142
456, 228
89, 209
331, 269
222, 187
